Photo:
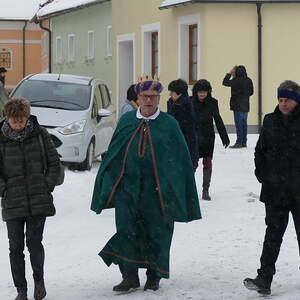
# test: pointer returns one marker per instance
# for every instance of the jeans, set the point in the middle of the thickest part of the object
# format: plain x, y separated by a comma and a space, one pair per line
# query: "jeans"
240, 120
34, 236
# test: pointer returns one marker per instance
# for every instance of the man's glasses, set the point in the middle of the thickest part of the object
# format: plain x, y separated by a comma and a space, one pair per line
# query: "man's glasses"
151, 97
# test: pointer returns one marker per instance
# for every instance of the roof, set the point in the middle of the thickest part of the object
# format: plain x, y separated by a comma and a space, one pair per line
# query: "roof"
58, 7
62, 77
16, 10
174, 3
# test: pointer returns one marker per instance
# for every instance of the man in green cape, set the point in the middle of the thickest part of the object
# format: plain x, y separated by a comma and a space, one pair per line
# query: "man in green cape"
147, 176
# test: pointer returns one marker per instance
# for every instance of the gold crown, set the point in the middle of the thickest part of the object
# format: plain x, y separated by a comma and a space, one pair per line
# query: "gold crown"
144, 78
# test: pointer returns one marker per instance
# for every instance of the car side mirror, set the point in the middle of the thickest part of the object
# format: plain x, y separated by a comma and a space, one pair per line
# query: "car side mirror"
104, 113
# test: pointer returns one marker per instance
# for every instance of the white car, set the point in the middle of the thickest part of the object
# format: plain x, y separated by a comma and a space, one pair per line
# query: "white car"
76, 110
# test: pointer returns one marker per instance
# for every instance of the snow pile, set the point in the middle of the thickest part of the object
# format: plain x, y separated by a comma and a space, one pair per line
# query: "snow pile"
18, 9
167, 3
209, 258
61, 5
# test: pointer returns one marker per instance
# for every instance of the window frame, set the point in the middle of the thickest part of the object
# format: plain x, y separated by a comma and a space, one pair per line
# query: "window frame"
91, 45
154, 53
71, 56
109, 40
59, 52
192, 27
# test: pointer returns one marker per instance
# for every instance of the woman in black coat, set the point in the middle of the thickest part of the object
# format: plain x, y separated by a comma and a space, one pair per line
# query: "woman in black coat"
181, 108
206, 113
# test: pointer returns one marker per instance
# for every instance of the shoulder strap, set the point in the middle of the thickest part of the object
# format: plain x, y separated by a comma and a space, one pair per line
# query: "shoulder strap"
42, 145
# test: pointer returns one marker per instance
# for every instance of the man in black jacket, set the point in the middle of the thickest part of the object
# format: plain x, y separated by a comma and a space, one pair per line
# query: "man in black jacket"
277, 163
206, 113
241, 89
181, 108
26, 185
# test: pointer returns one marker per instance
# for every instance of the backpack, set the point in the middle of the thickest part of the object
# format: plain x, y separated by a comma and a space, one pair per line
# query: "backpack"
61, 176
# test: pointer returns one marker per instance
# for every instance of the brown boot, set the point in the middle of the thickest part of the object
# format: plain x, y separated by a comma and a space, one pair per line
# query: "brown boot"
127, 284
39, 290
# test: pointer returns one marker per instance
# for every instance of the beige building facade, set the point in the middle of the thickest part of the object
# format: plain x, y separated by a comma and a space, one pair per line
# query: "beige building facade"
226, 34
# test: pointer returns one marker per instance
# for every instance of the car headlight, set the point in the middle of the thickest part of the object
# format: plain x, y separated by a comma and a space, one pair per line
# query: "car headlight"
75, 127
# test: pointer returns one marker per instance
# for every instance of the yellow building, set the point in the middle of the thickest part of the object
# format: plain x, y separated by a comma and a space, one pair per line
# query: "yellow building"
194, 39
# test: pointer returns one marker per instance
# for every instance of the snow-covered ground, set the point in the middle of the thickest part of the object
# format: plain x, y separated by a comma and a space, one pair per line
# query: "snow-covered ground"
209, 258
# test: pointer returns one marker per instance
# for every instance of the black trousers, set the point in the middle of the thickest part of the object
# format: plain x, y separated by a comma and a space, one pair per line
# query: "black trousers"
132, 272
34, 235
277, 218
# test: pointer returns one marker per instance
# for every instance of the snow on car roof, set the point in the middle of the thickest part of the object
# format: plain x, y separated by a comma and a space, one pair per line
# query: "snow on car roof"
62, 77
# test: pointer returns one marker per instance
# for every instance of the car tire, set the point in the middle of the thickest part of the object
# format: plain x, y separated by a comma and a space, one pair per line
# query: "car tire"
87, 164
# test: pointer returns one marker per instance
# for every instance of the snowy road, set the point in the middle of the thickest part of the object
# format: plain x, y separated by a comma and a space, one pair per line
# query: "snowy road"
209, 258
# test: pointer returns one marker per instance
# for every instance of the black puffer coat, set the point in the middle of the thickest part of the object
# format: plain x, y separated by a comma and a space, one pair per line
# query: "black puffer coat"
182, 110
277, 157
206, 113
24, 188
241, 90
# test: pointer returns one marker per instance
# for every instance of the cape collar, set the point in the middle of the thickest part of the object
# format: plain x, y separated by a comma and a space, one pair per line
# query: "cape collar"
153, 117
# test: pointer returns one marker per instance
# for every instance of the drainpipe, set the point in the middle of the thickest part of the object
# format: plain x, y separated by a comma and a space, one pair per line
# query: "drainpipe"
24, 48
259, 25
50, 46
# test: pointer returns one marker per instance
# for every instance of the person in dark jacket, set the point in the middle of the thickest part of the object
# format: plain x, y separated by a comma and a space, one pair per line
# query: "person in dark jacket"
241, 90
206, 112
181, 108
25, 190
277, 165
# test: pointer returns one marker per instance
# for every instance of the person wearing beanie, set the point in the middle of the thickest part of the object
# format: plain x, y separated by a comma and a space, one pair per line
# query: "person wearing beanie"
181, 108
147, 176
241, 90
206, 113
277, 164
132, 101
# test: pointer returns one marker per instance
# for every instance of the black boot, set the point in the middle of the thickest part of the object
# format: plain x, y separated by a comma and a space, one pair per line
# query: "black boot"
259, 284
22, 295
206, 183
237, 146
152, 283
127, 284
39, 290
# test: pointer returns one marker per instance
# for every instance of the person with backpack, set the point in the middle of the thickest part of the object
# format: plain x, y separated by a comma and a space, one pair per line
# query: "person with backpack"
29, 171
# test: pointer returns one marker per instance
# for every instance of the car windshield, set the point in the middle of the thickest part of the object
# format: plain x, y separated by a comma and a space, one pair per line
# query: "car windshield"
53, 94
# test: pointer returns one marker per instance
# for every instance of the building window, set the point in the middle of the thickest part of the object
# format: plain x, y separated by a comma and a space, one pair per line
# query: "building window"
150, 49
5, 59
59, 50
109, 41
193, 53
71, 47
91, 45
154, 63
